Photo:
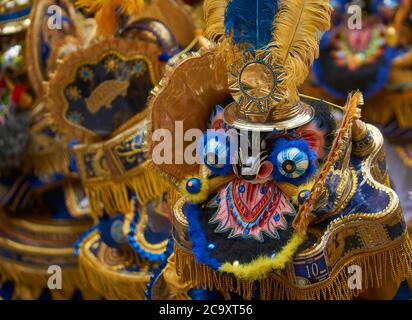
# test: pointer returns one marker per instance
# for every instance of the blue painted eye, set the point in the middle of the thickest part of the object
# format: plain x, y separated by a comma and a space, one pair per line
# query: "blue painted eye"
292, 162
214, 148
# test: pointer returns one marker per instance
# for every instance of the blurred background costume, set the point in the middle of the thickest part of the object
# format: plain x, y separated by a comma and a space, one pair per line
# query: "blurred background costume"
369, 48
97, 99
292, 191
43, 208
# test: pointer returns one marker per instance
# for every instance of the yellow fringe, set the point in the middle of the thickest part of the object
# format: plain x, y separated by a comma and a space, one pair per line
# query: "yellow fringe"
110, 283
262, 266
114, 196
29, 282
202, 276
374, 265
172, 196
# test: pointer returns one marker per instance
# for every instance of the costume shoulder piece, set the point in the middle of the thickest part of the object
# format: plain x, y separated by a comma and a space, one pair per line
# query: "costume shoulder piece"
283, 182
48, 37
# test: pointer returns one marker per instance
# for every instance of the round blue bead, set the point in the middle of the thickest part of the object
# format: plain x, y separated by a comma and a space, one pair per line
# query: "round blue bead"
241, 188
303, 195
277, 217
193, 185
264, 190
246, 232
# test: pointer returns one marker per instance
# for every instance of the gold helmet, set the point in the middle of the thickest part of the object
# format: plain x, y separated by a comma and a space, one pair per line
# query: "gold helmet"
267, 58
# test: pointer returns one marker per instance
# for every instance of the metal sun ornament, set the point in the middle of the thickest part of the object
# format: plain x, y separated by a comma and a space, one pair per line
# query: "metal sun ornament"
254, 83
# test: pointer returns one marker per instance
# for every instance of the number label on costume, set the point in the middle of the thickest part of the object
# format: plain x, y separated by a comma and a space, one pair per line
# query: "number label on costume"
311, 270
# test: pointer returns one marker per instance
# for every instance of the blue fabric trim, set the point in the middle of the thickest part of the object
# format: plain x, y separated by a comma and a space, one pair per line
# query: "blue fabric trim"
15, 15
85, 234
198, 238
152, 257
157, 272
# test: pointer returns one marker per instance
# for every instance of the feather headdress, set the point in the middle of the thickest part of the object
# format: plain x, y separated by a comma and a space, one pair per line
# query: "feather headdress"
283, 35
298, 28
105, 12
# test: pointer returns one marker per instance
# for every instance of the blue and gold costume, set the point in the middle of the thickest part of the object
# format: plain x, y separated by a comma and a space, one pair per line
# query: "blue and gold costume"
290, 196
98, 97
375, 57
43, 207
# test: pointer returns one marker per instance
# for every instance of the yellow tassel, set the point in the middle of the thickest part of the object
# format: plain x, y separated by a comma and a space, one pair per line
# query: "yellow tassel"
109, 282
201, 276
30, 282
113, 196
288, 189
262, 266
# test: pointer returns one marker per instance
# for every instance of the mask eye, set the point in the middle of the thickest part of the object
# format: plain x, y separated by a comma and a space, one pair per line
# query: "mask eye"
292, 162
215, 152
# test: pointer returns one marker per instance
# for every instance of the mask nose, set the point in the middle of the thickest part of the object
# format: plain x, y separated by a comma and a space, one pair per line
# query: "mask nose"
248, 169
252, 168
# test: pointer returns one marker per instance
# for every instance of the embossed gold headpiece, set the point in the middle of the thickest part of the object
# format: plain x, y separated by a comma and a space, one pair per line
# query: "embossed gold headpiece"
268, 46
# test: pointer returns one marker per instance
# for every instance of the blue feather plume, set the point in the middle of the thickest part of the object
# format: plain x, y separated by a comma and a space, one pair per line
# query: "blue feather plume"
251, 21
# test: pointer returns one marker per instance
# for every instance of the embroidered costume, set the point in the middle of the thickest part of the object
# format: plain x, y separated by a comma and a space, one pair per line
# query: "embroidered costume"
98, 98
375, 57
43, 207
289, 192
